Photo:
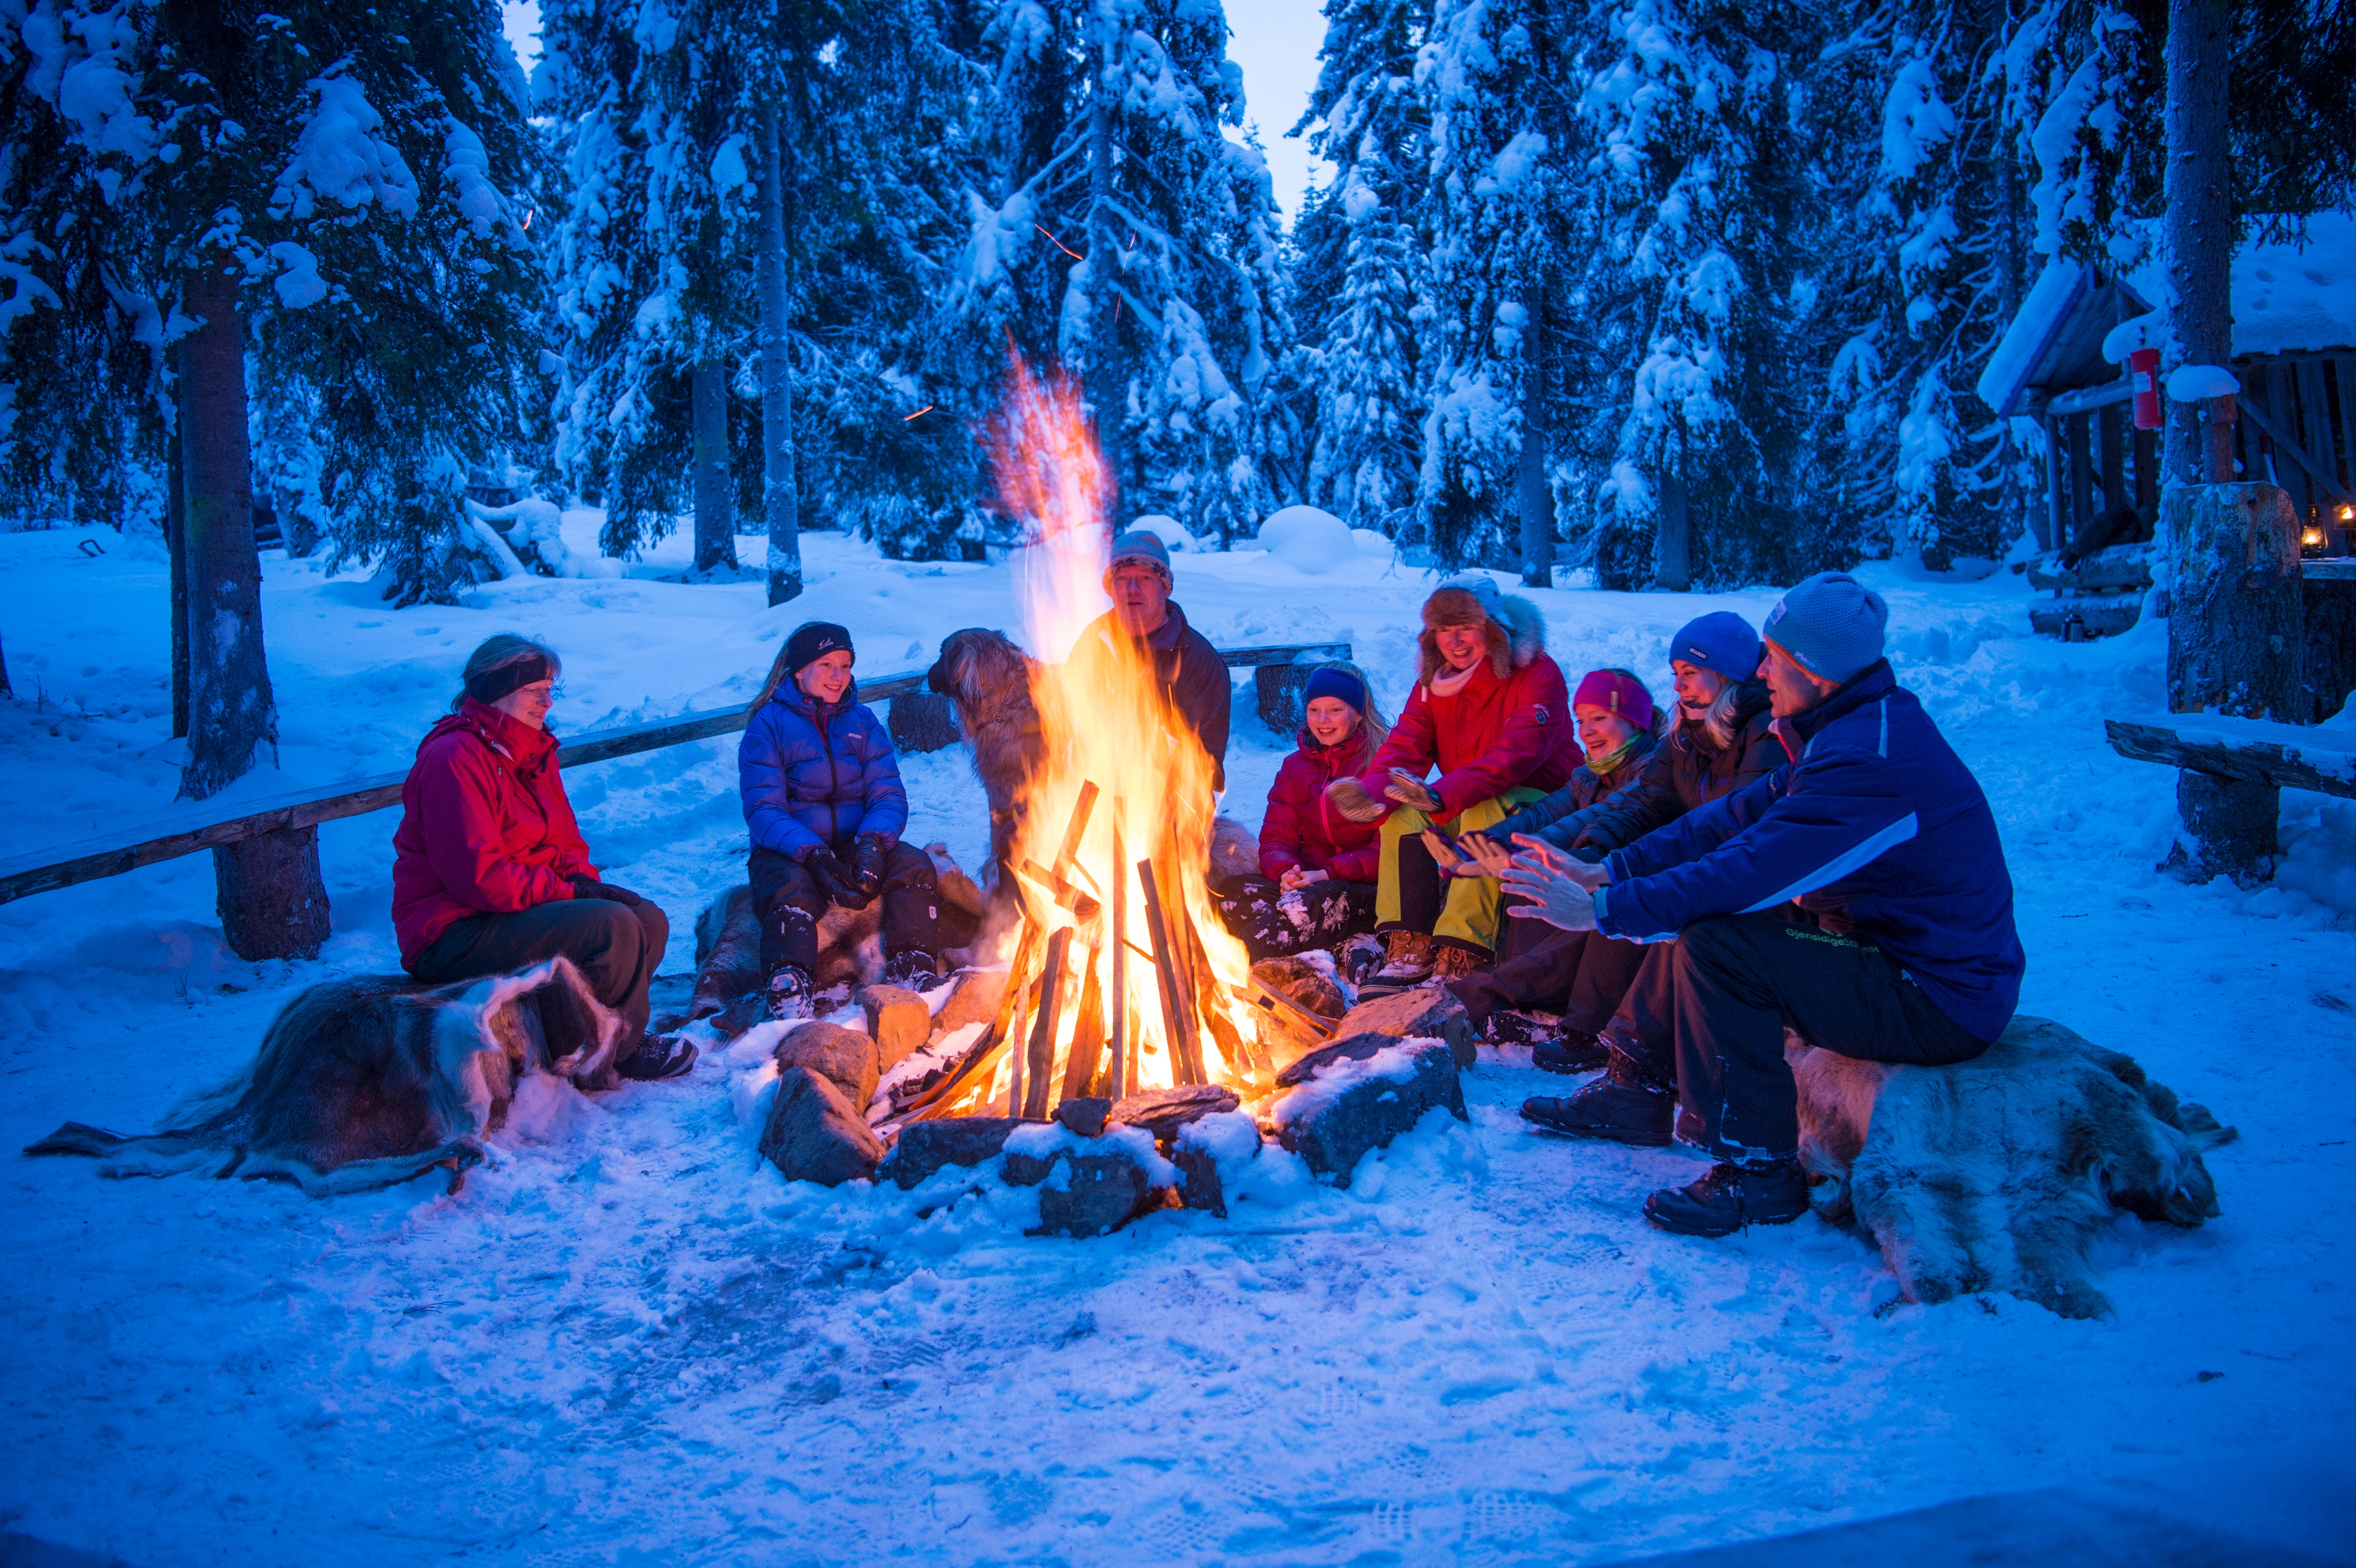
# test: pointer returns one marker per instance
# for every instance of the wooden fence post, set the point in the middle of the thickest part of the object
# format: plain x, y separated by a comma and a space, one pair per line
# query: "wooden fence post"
2234, 636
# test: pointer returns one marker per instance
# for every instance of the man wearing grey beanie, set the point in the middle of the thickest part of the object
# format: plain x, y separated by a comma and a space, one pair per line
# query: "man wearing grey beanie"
1193, 676
1877, 837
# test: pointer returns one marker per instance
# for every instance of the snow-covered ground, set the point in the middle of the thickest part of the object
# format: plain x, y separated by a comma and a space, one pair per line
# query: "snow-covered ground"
627, 1340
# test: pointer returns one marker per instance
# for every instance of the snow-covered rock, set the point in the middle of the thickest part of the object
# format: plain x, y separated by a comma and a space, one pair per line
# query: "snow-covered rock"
1356, 1095
1308, 539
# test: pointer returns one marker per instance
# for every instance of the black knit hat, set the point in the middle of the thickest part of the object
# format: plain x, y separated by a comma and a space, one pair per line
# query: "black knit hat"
813, 640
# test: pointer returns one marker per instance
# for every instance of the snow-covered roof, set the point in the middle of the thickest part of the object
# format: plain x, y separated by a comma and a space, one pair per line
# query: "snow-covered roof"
2288, 299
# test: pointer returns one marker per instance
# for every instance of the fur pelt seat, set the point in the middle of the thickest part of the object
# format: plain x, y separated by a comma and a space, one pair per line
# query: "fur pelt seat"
373, 1079
1996, 1174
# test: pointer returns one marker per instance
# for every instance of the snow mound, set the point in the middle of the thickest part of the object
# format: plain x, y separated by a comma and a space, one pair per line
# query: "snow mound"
1308, 539
1167, 530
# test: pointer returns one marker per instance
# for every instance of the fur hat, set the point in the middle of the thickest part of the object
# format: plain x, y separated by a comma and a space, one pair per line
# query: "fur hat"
1514, 629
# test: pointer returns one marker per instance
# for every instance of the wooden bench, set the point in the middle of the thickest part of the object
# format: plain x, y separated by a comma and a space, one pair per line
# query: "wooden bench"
920, 716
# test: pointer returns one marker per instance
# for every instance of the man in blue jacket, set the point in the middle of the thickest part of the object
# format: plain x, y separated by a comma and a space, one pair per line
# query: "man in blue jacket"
825, 808
1904, 952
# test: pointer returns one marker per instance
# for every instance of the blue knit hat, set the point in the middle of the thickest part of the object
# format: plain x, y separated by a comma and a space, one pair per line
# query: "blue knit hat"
1721, 641
1831, 624
1337, 683
1139, 544
813, 640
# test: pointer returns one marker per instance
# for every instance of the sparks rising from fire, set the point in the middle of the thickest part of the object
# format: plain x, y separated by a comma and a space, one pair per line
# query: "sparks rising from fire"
1123, 977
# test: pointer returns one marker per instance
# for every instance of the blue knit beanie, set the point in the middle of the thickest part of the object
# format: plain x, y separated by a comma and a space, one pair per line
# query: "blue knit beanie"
1831, 624
813, 640
1337, 683
1721, 641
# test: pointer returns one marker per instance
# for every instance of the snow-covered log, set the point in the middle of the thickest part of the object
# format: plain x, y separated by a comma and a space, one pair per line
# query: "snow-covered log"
1996, 1174
373, 1080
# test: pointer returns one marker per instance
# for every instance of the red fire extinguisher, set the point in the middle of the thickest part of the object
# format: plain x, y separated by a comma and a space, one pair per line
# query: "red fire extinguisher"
2143, 364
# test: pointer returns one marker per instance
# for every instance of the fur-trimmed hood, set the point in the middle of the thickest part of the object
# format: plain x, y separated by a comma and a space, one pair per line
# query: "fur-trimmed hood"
1516, 632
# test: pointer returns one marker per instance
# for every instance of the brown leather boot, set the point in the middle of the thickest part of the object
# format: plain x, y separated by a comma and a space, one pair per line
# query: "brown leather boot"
1410, 957
1455, 963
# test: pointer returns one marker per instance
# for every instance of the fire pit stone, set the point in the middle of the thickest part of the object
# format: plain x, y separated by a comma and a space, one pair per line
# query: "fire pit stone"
1428, 1012
926, 1147
1162, 1111
974, 1001
1086, 1117
897, 1020
814, 1134
1359, 1094
1225, 1139
845, 1056
1090, 1185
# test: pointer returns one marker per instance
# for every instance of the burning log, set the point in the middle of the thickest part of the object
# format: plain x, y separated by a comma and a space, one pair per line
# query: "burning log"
1238, 1056
1088, 1038
982, 1065
1177, 1006
1042, 1062
1123, 1071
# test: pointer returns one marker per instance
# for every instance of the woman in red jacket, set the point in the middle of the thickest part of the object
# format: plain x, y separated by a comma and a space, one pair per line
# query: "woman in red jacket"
1316, 886
489, 872
1490, 710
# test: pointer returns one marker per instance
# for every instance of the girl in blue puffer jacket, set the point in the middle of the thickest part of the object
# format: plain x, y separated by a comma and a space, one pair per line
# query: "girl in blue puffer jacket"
824, 801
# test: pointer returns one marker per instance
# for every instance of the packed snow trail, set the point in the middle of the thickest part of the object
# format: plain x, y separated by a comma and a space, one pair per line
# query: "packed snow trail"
628, 1337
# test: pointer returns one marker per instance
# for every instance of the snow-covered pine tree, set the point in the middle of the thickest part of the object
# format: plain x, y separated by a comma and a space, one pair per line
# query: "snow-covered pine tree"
1111, 226
1914, 288
1361, 273
1700, 202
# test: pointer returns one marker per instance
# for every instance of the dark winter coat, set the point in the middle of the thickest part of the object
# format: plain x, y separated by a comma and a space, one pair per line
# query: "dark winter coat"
485, 826
1495, 733
1302, 828
1687, 770
1874, 825
1193, 677
816, 773
1561, 818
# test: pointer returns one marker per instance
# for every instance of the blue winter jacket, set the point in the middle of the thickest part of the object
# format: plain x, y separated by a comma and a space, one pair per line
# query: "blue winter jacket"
1875, 827
813, 775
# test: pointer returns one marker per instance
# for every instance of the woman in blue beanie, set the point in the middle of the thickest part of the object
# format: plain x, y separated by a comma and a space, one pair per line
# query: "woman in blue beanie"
1316, 886
823, 798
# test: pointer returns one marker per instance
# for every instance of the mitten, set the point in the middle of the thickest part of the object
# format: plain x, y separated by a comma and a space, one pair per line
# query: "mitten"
591, 888
832, 879
1349, 797
867, 865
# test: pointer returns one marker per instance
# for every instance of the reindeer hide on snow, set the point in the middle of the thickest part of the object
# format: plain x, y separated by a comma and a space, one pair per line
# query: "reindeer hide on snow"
1996, 1174
373, 1079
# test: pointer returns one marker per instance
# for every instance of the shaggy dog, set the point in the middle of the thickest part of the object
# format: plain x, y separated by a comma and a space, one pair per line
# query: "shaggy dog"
370, 1080
987, 680
1999, 1173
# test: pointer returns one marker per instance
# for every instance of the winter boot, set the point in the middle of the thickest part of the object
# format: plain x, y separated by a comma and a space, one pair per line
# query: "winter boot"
1511, 1026
1449, 963
658, 1056
788, 991
912, 971
1764, 1193
1569, 1053
1407, 965
1620, 1107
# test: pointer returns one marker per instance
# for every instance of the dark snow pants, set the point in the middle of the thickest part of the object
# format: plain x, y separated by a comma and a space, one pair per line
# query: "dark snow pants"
616, 947
790, 903
1270, 922
1582, 974
1734, 983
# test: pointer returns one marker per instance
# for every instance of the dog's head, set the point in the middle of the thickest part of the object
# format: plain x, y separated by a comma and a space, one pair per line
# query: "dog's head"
980, 671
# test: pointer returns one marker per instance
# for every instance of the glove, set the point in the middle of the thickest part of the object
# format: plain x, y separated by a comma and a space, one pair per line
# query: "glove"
1412, 791
832, 880
867, 865
591, 888
1350, 799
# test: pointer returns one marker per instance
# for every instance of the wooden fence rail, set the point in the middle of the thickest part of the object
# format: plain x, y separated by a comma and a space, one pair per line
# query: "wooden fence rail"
90, 860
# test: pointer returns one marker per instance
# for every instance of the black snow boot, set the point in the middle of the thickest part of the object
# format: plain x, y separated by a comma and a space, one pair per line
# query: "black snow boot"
1358, 958
1622, 1106
789, 990
1766, 1192
912, 971
1569, 1053
658, 1056
1510, 1026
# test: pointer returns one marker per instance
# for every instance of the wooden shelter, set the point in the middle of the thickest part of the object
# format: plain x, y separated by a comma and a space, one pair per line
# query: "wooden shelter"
2294, 351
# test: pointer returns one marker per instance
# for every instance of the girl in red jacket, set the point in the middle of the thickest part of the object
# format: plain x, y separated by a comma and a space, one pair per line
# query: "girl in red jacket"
489, 871
1316, 886
1489, 711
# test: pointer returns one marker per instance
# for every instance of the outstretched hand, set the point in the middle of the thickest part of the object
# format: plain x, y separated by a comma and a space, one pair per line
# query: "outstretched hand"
1558, 890
1492, 857
1408, 790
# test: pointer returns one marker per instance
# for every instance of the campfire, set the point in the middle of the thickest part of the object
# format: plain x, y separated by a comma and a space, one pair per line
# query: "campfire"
1121, 978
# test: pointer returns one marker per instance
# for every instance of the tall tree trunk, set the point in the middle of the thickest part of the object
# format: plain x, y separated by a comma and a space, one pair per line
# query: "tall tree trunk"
2015, 511
5, 689
176, 540
1672, 566
1106, 385
780, 498
2200, 231
272, 902
1533, 490
716, 498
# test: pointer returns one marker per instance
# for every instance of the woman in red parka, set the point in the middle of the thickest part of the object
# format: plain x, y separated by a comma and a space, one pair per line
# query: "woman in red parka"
1316, 886
1490, 711
489, 872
